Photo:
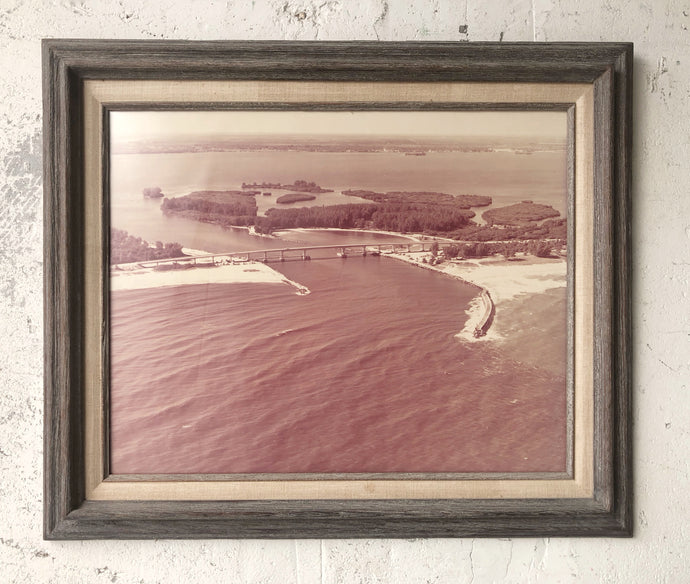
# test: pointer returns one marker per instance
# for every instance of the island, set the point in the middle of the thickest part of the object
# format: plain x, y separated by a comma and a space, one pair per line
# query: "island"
225, 208
153, 193
508, 229
424, 198
301, 186
519, 214
447, 237
294, 198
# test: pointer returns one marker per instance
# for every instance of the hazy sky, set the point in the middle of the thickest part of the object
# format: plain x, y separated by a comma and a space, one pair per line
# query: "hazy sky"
169, 124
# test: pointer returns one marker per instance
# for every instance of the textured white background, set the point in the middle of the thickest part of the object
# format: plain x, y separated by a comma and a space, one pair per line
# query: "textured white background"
659, 551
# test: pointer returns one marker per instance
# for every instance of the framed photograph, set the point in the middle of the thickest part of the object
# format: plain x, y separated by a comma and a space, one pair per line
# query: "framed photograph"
339, 289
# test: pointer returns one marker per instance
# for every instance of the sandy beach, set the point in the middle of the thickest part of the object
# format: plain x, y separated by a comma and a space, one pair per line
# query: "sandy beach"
507, 280
280, 233
504, 280
134, 277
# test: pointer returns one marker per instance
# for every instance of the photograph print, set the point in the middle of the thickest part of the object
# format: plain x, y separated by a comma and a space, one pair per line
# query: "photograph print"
338, 292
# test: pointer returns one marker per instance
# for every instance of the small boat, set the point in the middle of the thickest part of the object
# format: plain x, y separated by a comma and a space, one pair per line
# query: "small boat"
376, 253
342, 254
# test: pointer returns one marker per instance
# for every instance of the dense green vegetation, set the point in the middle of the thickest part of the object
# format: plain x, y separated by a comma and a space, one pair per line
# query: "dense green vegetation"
401, 217
549, 229
125, 248
404, 212
478, 249
301, 186
423, 197
519, 214
542, 249
304, 186
225, 208
341, 216
294, 198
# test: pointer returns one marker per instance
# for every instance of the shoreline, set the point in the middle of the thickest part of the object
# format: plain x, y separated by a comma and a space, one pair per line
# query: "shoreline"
414, 237
135, 277
499, 279
495, 279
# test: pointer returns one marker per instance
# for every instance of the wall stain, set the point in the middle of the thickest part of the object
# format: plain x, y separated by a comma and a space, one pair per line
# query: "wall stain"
380, 18
653, 78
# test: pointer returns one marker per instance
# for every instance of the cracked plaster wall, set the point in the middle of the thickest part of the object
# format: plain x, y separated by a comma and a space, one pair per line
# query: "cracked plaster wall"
659, 551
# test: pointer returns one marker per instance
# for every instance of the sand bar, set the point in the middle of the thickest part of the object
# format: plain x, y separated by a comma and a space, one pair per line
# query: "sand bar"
504, 280
134, 277
507, 280
281, 233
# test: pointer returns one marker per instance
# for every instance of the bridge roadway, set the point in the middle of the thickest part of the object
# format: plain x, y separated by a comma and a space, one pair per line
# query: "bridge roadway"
290, 253
296, 253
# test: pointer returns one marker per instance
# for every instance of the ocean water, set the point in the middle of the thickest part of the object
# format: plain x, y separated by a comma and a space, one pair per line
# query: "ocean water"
365, 374
362, 375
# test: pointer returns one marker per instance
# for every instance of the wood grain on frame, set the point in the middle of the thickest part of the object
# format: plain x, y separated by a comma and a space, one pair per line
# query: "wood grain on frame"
357, 96
271, 72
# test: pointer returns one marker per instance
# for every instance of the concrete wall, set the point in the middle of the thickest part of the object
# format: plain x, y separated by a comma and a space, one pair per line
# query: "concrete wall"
659, 551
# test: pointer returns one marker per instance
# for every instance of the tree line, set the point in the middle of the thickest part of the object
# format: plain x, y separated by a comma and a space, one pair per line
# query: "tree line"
126, 248
400, 217
427, 213
519, 213
549, 229
423, 197
231, 206
479, 249
233, 209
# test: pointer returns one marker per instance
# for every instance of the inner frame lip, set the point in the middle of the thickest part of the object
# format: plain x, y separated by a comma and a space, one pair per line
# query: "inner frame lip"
567, 105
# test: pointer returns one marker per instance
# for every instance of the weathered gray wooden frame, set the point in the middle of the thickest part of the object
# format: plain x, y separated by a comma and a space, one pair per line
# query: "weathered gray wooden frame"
68, 63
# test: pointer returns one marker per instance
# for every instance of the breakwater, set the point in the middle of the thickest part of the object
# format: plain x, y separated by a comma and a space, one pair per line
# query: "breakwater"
487, 304
489, 311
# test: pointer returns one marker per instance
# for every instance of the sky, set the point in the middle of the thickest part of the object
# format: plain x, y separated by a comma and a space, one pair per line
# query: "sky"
147, 125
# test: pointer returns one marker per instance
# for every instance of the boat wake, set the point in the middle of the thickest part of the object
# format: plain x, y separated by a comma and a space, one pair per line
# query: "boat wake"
285, 332
300, 290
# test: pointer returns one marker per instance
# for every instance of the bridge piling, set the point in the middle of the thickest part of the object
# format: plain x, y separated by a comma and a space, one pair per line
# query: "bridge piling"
284, 254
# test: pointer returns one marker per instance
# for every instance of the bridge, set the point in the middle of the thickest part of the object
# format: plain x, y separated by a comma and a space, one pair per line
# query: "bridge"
301, 253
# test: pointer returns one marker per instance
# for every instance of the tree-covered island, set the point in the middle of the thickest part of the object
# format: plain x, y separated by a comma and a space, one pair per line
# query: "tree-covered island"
225, 208
519, 214
301, 186
294, 198
423, 212
422, 197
